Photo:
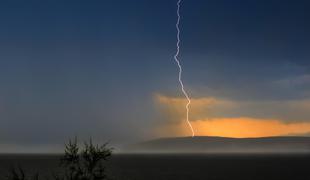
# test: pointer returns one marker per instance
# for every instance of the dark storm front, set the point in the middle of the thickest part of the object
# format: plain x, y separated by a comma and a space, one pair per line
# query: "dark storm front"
181, 166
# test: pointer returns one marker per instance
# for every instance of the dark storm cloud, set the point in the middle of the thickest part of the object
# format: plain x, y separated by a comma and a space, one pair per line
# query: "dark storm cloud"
239, 49
91, 68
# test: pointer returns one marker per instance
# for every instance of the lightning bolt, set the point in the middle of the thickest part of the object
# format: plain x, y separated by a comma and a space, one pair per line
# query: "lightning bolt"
180, 68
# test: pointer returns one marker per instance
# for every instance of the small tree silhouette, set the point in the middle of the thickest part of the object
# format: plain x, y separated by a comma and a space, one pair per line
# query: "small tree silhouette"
85, 164
79, 164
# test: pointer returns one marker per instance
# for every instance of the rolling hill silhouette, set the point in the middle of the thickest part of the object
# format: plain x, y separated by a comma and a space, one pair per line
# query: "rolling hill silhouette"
209, 144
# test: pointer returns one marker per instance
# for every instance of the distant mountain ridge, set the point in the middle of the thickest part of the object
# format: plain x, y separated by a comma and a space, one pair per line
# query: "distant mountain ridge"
209, 144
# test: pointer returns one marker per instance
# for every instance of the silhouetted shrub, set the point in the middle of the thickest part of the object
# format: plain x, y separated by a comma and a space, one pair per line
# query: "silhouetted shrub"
79, 164
85, 164
19, 174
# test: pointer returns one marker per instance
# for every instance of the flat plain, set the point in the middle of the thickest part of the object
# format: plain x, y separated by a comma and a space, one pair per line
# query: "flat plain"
179, 166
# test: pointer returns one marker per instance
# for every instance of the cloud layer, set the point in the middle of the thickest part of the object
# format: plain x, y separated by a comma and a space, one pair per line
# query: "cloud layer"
217, 117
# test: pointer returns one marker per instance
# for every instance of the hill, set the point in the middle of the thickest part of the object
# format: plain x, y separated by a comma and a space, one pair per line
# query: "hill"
209, 144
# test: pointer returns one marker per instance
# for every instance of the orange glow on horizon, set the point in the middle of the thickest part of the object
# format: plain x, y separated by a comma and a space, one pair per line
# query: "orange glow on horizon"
243, 127
217, 124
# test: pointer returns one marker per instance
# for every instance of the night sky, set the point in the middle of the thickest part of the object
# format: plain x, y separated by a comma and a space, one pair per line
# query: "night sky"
105, 69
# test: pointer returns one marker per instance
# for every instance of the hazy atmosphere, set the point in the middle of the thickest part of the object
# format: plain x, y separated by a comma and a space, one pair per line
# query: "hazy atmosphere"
105, 69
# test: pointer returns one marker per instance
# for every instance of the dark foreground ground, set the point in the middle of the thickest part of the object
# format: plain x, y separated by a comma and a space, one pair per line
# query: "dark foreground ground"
179, 167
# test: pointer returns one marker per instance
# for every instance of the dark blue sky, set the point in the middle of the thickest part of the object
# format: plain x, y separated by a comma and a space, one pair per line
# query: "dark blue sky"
91, 68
